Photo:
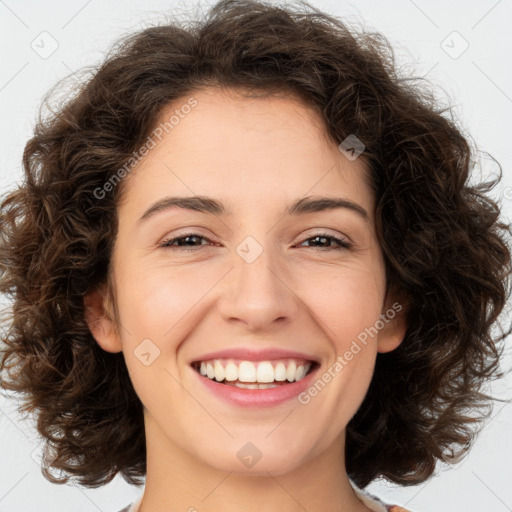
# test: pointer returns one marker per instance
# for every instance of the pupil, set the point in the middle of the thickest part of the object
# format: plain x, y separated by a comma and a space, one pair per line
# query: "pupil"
187, 238
320, 238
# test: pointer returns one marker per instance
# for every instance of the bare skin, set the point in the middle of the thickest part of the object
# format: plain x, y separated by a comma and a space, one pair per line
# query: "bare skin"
255, 155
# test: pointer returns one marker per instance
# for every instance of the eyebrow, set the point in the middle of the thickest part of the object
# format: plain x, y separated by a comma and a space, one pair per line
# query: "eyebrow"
212, 206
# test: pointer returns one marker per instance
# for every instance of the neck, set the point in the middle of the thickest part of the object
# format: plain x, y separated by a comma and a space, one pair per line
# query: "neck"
177, 481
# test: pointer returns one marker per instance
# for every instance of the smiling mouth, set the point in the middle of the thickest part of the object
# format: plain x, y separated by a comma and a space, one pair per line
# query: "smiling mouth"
255, 375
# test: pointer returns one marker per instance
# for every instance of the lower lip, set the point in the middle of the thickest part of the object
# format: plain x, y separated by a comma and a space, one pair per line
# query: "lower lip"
257, 397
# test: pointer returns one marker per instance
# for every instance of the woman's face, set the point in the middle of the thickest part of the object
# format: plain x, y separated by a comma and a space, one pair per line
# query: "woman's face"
252, 291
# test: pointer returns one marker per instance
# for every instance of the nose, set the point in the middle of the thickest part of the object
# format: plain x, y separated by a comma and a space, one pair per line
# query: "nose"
258, 294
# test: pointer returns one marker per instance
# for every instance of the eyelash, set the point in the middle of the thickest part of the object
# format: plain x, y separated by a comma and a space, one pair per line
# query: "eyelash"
342, 244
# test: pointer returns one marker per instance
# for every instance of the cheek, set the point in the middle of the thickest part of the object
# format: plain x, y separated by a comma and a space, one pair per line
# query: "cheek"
159, 308
347, 314
157, 300
345, 303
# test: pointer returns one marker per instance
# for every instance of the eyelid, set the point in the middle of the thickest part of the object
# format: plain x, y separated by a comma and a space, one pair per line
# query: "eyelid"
190, 230
316, 231
340, 242
312, 231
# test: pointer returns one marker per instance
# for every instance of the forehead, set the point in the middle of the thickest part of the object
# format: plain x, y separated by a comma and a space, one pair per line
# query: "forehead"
239, 120
251, 148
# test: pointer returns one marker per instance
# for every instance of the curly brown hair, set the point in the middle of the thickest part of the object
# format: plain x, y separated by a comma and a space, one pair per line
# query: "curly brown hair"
444, 245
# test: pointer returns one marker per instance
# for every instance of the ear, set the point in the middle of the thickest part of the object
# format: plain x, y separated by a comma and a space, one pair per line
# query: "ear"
100, 317
393, 316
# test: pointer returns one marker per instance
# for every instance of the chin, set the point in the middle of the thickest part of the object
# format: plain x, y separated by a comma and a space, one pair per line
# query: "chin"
257, 458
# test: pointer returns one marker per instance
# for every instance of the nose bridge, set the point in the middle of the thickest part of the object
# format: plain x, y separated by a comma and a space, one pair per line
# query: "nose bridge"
257, 293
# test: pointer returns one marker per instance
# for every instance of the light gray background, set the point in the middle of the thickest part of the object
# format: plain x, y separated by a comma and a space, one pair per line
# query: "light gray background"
478, 83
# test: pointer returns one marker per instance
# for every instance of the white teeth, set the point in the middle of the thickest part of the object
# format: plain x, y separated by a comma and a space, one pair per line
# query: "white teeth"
246, 372
231, 372
262, 373
253, 385
219, 371
265, 372
291, 371
245, 386
280, 372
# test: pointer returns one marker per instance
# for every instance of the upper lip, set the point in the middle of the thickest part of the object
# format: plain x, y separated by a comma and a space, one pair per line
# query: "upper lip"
247, 354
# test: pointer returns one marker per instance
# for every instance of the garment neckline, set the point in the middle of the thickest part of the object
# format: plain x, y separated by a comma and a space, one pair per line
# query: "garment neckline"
372, 502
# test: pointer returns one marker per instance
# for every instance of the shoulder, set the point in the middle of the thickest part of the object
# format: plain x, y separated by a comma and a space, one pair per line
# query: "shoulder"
374, 502
134, 506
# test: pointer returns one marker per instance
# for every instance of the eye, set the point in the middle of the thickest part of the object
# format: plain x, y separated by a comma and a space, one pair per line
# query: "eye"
322, 237
183, 238
182, 241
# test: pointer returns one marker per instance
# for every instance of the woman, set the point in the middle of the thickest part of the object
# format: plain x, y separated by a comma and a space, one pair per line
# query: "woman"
247, 265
